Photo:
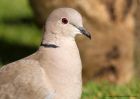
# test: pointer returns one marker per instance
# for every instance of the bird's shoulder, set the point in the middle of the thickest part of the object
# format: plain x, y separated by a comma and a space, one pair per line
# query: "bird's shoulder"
27, 76
21, 69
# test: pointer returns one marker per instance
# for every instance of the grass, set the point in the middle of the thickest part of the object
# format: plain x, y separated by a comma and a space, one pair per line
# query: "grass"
105, 90
19, 37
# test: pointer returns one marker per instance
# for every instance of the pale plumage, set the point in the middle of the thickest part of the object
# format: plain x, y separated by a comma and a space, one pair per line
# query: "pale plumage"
54, 71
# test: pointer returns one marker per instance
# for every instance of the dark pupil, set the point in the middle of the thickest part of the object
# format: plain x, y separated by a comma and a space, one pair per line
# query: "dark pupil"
64, 20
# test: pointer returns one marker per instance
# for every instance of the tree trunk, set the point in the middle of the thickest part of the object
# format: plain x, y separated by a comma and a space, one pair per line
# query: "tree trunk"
137, 31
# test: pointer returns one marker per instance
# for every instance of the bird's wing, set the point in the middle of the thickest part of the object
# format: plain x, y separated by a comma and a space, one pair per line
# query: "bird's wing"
24, 79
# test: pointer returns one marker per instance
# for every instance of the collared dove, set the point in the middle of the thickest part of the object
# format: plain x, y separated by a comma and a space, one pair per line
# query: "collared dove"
54, 71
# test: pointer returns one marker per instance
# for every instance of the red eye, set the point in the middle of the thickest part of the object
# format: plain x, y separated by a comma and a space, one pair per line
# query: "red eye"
64, 20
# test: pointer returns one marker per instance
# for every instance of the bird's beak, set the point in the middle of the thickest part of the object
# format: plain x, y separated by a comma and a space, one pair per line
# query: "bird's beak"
83, 31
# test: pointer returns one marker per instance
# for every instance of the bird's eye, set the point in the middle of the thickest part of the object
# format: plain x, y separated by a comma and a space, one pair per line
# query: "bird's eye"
64, 20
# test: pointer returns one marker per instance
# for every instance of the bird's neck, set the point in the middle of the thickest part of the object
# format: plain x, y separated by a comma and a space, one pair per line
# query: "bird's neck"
62, 52
63, 66
54, 39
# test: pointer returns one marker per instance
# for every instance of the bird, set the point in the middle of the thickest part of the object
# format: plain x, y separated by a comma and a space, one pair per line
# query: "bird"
54, 70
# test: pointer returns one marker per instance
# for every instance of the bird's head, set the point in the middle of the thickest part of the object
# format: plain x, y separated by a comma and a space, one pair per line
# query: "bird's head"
66, 22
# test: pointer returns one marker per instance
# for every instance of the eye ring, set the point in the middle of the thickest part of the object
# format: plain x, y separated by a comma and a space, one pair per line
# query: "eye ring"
64, 20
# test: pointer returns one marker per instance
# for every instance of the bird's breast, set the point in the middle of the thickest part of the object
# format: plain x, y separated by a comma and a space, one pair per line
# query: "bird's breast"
63, 66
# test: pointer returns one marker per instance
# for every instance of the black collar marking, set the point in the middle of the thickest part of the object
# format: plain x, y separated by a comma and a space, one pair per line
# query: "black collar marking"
49, 45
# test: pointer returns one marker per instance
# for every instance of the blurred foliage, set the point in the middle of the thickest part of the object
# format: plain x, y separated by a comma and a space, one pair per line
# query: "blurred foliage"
20, 37
17, 24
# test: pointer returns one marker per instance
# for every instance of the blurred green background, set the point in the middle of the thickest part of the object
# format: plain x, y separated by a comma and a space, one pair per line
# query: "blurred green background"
18, 34
19, 37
